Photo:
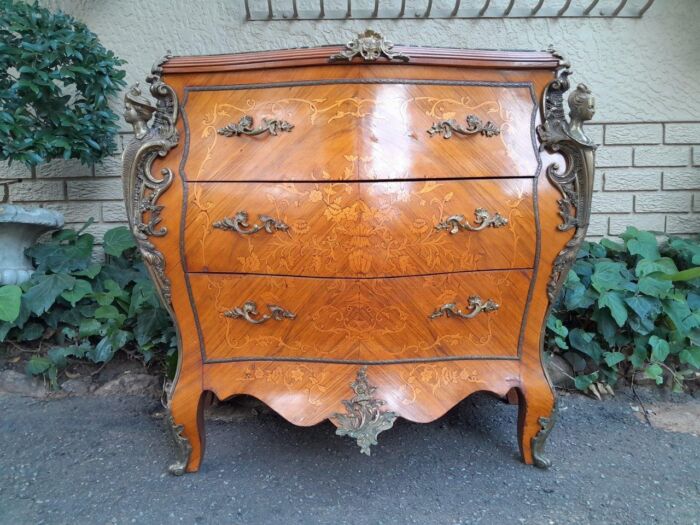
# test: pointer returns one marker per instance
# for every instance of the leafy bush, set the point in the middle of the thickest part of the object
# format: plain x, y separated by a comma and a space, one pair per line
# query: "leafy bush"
55, 82
630, 306
86, 309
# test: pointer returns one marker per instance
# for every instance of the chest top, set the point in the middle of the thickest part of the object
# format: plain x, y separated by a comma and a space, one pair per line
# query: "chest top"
359, 232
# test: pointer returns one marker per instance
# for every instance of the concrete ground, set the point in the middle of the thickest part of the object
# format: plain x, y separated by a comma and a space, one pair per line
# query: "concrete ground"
98, 460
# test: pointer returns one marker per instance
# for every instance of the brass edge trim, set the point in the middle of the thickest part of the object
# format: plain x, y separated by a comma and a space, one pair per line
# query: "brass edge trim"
361, 361
363, 420
540, 439
182, 446
141, 188
575, 182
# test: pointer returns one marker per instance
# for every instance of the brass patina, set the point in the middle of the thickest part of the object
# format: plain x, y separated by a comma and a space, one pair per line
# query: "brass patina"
249, 312
245, 127
475, 304
239, 223
474, 126
370, 46
483, 219
364, 420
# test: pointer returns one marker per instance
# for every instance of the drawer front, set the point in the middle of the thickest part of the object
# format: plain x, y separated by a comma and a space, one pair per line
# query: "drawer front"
467, 315
360, 130
360, 229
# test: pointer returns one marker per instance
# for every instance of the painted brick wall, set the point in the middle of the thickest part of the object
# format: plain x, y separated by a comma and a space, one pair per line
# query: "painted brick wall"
643, 72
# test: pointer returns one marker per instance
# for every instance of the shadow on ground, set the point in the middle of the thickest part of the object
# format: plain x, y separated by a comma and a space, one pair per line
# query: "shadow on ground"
102, 460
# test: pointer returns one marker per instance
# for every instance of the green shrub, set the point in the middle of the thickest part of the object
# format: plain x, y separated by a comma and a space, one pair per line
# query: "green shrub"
630, 306
79, 308
55, 82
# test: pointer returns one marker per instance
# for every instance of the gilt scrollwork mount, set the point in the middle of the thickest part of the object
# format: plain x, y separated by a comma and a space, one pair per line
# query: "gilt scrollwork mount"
370, 46
363, 420
575, 181
475, 304
474, 126
249, 312
240, 224
482, 220
245, 126
143, 188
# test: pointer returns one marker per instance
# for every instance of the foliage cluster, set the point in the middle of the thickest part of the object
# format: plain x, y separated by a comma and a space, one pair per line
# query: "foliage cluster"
629, 307
55, 82
80, 308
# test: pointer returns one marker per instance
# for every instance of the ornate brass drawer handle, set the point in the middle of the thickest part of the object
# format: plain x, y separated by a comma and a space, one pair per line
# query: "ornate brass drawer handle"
483, 220
245, 127
249, 312
474, 126
239, 223
475, 303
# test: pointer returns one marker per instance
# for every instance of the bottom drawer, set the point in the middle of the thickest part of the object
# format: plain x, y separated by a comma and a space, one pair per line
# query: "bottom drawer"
470, 315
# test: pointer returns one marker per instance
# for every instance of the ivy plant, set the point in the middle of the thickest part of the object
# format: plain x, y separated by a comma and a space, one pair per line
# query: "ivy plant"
56, 79
77, 307
630, 306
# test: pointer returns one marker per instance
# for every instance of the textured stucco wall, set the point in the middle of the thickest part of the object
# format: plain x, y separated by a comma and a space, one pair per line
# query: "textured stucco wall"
645, 72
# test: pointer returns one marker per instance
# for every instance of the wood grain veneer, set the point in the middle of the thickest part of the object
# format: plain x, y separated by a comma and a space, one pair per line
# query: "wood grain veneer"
352, 266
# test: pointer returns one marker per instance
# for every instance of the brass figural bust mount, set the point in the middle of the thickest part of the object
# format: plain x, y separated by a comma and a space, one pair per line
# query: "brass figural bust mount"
319, 249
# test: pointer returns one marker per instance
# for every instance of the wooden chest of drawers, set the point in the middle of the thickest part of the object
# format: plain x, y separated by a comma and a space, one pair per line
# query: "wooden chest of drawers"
359, 233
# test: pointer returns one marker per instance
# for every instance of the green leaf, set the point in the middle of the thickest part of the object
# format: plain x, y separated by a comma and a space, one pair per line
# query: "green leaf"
654, 287
613, 358
89, 327
107, 312
614, 302
690, 356
644, 244
80, 289
663, 265
607, 275
585, 343
10, 300
42, 295
38, 365
655, 372
659, 349
117, 240
583, 382
680, 314
101, 353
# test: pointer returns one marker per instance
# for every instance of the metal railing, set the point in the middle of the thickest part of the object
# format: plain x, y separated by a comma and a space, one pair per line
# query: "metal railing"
290, 10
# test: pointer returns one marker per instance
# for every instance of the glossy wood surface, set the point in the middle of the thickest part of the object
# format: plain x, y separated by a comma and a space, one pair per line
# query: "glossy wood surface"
308, 392
345, 131
360, 229
361, 319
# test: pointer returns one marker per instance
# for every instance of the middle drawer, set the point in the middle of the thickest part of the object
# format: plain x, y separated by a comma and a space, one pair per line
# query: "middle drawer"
360, 229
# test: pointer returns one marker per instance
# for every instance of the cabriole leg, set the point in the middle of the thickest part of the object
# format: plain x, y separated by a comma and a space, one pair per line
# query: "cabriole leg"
536, 416
186, 422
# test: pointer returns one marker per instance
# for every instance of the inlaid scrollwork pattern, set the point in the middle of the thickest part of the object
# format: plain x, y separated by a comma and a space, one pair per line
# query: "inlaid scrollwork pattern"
245, 127
483, 219
142, 187
364, 420
474, 126
371, 46
239, 223
475, 304
249, 312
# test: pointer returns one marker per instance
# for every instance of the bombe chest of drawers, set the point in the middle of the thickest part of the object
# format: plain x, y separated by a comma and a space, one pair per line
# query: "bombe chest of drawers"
359, 232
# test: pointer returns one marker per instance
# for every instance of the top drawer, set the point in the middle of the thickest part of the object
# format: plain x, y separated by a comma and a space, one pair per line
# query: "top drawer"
359, 129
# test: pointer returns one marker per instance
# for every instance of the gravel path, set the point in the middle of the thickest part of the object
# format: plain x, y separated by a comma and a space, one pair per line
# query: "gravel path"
102, 460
